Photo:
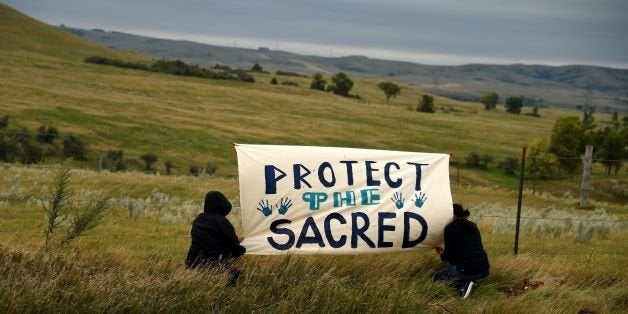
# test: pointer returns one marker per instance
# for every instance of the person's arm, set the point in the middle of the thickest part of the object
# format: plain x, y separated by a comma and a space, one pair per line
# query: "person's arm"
445, 254
232, 240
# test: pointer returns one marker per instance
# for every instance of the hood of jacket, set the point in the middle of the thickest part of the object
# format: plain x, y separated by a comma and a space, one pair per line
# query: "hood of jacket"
216, 202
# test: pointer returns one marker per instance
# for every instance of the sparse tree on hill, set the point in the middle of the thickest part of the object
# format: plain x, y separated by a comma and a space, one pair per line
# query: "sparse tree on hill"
390, 89
318, 82
490, 100
426, 104
514, 104
257, 68
342, 84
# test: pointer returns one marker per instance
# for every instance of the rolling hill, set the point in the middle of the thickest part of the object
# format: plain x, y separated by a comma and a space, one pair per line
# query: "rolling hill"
195, 121
564, 86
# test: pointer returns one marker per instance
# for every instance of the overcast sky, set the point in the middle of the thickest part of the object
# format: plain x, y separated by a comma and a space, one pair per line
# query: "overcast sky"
443, 32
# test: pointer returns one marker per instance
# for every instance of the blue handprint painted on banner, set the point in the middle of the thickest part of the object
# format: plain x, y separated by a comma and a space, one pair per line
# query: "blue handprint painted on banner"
420, 199
265, 208
283, 205
398, 200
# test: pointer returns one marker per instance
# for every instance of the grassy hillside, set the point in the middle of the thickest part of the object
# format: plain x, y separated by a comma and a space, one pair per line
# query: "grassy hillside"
564, 86
132, 261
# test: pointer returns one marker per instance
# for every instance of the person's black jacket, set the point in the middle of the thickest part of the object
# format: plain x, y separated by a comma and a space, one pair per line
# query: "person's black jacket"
213, 237
463, 247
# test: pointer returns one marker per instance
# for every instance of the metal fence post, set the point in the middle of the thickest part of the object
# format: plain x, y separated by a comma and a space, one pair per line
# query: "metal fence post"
523, 167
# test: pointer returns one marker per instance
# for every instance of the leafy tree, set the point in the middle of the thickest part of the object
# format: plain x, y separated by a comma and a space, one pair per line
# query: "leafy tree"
4, 121
514, 104
566, 142
47, 134
611, 148
390, 89
273, 81
318, 82
342, 84
257, 68
426, 104
490, 100
541, 163
74, 147
149, 160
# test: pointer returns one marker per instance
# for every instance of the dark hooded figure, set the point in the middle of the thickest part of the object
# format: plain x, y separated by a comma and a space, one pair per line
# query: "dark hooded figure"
464, 251
213, 237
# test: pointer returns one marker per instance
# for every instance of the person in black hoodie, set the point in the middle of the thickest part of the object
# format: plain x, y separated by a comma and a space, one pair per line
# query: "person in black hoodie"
214, 240
464, 251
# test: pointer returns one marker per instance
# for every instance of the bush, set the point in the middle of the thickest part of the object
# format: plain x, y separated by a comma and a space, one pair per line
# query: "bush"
169, 166
257, 68
211, 169
289, 83
342, 84
195, 170
114, 160
47, 134
4, 121
318, 82
474, 160
273, 81
509, 165
426, 104
284, 73
30, 152
74, 147
514, 104
149, 160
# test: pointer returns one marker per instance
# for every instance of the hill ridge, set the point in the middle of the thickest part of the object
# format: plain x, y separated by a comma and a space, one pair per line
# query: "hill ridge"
560, 86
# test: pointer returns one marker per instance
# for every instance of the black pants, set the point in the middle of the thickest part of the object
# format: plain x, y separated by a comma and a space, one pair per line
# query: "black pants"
458, 279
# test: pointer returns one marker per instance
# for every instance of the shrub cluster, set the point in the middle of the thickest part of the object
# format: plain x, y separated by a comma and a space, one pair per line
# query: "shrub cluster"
284, 73
28, 147
178, 67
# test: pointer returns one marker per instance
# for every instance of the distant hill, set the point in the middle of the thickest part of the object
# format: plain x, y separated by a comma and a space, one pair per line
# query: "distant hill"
564, 86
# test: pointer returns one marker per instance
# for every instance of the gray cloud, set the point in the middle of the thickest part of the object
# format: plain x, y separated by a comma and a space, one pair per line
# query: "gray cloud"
460, 31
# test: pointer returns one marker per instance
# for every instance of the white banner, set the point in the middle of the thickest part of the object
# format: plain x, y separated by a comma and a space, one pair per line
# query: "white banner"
325, 200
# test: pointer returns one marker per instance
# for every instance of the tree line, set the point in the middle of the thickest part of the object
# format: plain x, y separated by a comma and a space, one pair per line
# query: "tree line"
177, 67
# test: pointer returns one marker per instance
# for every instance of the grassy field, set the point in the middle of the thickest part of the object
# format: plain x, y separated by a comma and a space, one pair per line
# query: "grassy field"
132, 261
136, 263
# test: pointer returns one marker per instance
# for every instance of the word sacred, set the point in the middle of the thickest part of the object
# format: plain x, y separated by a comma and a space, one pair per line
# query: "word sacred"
311, 233
326, 174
